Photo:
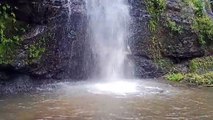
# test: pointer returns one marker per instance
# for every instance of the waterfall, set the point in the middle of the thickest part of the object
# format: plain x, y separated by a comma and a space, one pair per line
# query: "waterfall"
108, 25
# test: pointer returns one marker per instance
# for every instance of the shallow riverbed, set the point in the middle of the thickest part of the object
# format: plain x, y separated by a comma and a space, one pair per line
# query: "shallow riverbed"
116, 100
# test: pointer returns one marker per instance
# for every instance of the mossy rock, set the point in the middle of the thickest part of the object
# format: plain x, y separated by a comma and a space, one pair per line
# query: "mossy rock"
10, 32
205, 79
164, 64
201, 65
200, 72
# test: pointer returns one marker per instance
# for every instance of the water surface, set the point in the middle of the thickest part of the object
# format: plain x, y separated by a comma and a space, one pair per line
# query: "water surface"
121, 100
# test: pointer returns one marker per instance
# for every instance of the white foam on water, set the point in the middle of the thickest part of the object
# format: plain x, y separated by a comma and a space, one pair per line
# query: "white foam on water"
118, 87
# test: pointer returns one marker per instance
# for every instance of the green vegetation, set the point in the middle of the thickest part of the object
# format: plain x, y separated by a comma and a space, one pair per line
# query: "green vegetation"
199, 69
200, 72
164, 64
35, 52
11, 31
205, 79
8, 39
201, 65
203, 23
198, 6
155, 9
177, 77
204, 26
174, 27
155, 49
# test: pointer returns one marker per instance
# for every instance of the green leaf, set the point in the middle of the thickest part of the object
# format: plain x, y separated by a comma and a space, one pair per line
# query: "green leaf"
4, 8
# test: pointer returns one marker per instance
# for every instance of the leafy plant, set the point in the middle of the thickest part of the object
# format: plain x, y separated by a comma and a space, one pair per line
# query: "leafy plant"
155, 8
204, 26
198, 7
174, 27
175, 77
8, 41
36, 51
200, 79
200, 65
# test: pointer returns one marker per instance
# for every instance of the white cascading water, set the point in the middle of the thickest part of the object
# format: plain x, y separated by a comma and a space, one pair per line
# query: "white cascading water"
108, 30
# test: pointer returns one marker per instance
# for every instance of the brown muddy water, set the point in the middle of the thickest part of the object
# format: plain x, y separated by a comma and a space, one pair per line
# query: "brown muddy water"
120, 100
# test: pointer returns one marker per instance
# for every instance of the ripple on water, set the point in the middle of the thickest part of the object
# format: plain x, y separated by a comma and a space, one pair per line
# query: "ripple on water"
114, 88
107, 100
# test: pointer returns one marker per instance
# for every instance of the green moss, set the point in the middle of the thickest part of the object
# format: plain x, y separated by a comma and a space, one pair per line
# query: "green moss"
153, 25
177, 77
9, 34
192, 78
201, 72
204, 26
203, 23
174, 27
164, 64
203, 79
11, 31
35, 51
198, 6
155, 48
155, 9
201, 65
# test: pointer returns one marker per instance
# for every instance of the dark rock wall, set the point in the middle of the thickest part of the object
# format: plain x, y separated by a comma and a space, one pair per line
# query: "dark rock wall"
148, 48
139, 28
183, 45
139, 41
61, 26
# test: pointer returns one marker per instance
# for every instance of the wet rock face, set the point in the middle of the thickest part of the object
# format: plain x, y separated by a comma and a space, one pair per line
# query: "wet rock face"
44, 11
37, 11
139, 41
183, 45
177, 45
61, 26
146, 68
140, 34
65, 55
173, 45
